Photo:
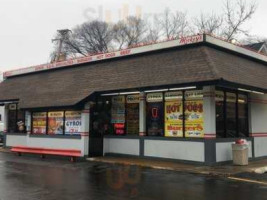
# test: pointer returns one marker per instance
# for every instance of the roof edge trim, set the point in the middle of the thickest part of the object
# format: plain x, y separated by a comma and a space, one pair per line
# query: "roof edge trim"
138, 49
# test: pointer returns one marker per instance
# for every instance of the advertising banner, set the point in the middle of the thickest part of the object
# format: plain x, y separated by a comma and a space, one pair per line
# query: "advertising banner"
174, 119
39, 123
73, 122
194, 118
55, 123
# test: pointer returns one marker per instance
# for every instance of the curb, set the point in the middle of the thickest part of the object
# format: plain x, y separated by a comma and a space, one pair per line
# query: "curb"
191, 171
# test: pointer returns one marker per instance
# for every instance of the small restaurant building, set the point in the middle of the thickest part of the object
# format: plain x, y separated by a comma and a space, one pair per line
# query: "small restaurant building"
187, 99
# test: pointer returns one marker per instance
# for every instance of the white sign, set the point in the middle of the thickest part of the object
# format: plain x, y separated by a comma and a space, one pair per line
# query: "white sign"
73, 122
170, 96
154, 97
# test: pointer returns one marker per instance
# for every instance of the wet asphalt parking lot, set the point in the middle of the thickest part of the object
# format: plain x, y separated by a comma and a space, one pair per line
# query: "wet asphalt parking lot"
30, 178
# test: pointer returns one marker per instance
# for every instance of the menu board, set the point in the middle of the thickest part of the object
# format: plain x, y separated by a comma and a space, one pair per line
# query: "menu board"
118, 114
132, 110
194, 116
55, 123
118, 109
39, 123
73, 122
133, 118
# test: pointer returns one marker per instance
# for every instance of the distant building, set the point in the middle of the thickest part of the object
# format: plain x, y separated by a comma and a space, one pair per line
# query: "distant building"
260, 47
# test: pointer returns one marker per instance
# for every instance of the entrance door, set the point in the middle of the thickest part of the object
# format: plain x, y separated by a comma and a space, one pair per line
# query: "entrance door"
99, 121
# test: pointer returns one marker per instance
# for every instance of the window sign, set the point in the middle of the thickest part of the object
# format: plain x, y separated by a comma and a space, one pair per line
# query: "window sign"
230, 97
219, 96
173, 114
242, 99
133, 98
132, 110
12, 106
154, 97
118, 114
73, 122
194, 118
39, 123
173, 96
55, 123
155, 114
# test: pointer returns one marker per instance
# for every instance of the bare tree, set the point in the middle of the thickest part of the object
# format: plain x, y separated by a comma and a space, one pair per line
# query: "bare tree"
153, 33
129, 32
230, 23
91, 37
173, 25
236, 15
88, 38
206, 23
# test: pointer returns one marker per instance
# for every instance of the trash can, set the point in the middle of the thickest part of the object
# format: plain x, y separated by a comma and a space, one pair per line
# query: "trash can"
240, 152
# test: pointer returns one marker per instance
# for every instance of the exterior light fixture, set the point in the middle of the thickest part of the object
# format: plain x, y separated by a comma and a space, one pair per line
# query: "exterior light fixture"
256, 92
251, 91
161, 90
110, 94
125, 93
183, 88
244, 90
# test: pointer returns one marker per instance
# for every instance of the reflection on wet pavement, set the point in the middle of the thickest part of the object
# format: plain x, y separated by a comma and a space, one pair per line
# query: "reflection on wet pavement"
30, 178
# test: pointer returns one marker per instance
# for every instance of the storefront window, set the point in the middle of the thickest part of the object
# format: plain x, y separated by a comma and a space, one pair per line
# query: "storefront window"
231, 115
12, 118
21, 128
174, 114
16, 119
39, 122
73, 122
55, 123
242, 115
132, 114
100, 117
118, 114
219, 114
155, 116
194, 119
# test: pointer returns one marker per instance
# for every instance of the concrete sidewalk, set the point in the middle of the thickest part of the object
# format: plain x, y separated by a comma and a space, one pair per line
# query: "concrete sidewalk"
222, 170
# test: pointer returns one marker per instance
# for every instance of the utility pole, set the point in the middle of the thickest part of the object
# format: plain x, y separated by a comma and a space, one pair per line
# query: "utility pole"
63, 35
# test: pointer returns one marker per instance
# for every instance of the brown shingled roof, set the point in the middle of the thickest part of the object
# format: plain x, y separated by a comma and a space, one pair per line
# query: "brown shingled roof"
68, 86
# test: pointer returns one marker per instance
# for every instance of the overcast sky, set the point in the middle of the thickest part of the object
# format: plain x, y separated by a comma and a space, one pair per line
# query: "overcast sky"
27, 26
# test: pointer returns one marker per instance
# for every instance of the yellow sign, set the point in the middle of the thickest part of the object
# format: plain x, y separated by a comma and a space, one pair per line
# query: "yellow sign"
39, 123
194, 119
55, 114
73, 114
173, 119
